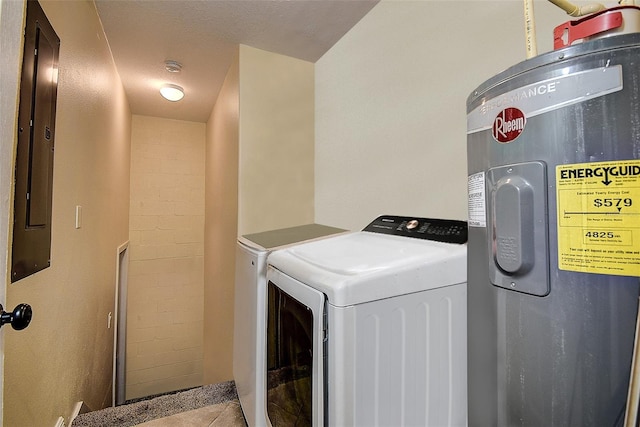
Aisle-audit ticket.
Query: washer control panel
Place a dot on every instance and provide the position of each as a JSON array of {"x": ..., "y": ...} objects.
[{"x": 441, "y": 230}]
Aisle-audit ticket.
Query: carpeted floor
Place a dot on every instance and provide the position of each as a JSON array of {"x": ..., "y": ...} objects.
[{"x": 162, "y": 406}]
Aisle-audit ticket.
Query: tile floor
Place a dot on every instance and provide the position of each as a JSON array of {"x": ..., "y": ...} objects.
[{"x": 227, "y": 414}]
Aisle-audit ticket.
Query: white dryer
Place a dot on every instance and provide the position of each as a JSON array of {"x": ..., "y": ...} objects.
[
  {"x": 249, "y": 370},
  {"x": 369, "y": 328}
]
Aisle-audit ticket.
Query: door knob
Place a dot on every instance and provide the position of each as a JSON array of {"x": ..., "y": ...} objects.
[{"x": 19, "y": 318}]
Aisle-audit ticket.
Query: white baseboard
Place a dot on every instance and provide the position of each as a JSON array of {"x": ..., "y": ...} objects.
[
  {"x": 60, "y": 422},
  {"x": 76, "y": 411}
]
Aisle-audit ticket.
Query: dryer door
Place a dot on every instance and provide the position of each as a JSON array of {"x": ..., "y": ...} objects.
[{"x": 295, "y": 353}]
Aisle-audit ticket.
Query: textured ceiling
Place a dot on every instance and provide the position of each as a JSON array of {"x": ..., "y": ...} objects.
[{"x": 203, "y": 36}]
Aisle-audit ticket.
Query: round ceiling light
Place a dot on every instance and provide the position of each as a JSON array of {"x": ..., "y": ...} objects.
[{"x": 172, "y": 92}]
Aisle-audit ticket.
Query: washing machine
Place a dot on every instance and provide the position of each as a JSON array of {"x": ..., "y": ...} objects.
[
  {"x": 369, "y": 328},
  {"x": 250, "y": 311}
]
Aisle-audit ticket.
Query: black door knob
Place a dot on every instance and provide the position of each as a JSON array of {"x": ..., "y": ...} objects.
[{"x": 19, "y": 317}]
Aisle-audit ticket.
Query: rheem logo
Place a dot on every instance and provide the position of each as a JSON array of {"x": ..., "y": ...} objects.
[{"x": 508, "y": 125}]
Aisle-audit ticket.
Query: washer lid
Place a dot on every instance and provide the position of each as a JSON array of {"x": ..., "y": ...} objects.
[{"x": 359, "y": 267}]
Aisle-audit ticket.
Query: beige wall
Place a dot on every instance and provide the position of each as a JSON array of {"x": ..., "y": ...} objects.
[
  {"x": 391, "y": 104},
  {"x": 221, "y": 186},
  {"x": 66, "y": 354},
  {"x": 259, "y": 177},
  {"x": 165, "y": 298},
  {"x": 276, "y": 141}
]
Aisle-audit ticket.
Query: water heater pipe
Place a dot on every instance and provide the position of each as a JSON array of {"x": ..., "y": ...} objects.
[
  {"x": 574, "y": 10},
  {"x": 570, "y": 8},
  {"x": 633, "y": 394},
  {"x": 530, "y": 29}
]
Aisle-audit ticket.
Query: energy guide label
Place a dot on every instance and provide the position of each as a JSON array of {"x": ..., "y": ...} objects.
[{"x": 599, "y": 217}]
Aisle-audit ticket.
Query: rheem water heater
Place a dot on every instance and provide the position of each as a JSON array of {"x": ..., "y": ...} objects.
[{"x": 554, "y": 237}]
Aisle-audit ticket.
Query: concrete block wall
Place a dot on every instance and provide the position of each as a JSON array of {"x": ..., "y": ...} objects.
[{"x": 166, "y": 273}]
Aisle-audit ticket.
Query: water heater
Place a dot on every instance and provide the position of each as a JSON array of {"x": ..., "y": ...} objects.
[{"x": 554, "y": 237}]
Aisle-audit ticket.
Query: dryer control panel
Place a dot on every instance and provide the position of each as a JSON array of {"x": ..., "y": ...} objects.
[{"x": 440, "y": 230}]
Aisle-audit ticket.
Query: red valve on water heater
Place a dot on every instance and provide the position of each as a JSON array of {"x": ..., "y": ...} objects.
[{"x": 617, "y": 20}]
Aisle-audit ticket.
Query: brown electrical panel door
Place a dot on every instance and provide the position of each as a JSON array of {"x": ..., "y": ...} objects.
[{"x": 34, "y": 158}]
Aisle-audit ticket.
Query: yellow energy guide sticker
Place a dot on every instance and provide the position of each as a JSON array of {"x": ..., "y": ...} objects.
[{"x": 599, "y": 217}]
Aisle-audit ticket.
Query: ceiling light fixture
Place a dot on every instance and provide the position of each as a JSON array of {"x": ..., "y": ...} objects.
[
  {"x": 172, "y": 66},
  {"x": 172, "y": 92}
]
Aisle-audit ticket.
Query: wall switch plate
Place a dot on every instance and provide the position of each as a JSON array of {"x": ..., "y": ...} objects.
[{"x": 78, "y": 216}]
